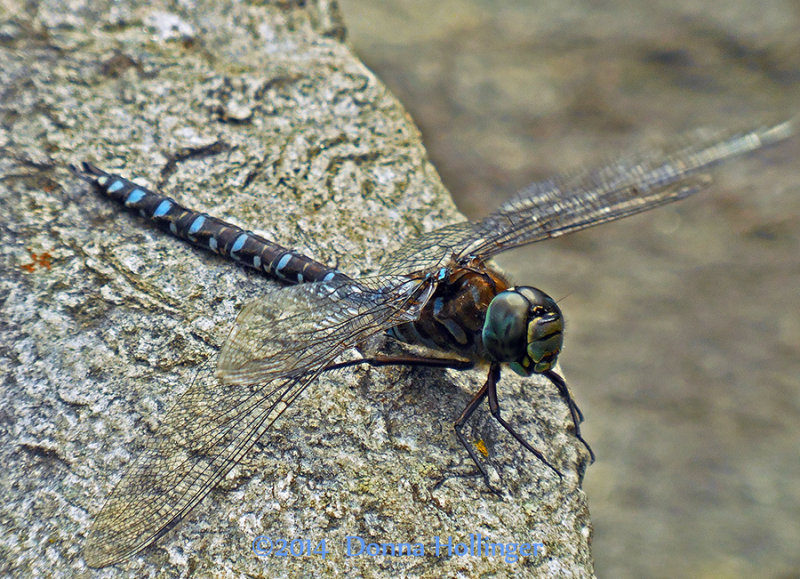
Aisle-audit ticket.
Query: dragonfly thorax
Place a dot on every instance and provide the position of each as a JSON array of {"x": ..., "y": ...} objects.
[{"x": 524, "y": 328}]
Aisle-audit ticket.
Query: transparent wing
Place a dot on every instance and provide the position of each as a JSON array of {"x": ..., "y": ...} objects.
[
  {"x": 314, "y": 322},
  {"x": 274, "y": 352},
  {"x": 572, "y": 202},
  {"x": 431, "y": 250}
]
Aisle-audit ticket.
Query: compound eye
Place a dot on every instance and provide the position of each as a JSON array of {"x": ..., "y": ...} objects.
[
  {"x": 506, "y": 326},
  {"x": 539, "y": 301},
  {"x": 524, "y": 328},
  {"x": 545, "y": 330}
]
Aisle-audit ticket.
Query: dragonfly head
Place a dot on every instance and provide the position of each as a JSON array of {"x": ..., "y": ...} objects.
[{"x": 524, "y": 328}]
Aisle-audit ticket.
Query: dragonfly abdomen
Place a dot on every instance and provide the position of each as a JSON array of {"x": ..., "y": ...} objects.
[{"x": 205, "y": 231}]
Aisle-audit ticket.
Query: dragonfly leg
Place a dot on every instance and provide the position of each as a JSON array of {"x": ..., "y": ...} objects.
[
  {"x": 494, "y": 408},
  {"x": 462, "y": 420},
  {"x": 380, "y": 360},
  {"x": 455, "y": 364},
  {"x": 575, "y": 412}
]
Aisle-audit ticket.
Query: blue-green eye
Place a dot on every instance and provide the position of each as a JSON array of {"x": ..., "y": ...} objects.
[
  {"x": 523, "y": 327},
  {"x": 505, "y": 329}
]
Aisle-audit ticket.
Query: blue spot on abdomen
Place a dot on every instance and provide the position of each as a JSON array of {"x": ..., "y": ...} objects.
[{"x": 163, "y": 208}]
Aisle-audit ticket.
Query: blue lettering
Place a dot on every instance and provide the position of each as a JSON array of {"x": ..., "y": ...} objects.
[
  {"x": 361, "y": 544},
  {"x": 438, "y": 544},
  {"x": 495, "y": 547},
  {"x": 321, "y": 549}
]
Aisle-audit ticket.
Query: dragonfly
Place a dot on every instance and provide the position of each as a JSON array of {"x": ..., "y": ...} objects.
[{"x": 439, "y": 292}]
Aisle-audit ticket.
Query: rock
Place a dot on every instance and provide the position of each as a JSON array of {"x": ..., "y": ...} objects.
[{"x": 261, "y": 115}]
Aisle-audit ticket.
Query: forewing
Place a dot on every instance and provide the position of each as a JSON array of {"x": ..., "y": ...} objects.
[
  {"x": 572, "y": 202},
  {"x": 634, "y": 184},
  {"x": 272, "y": 355},
  {"x": 430, "y": 251}
]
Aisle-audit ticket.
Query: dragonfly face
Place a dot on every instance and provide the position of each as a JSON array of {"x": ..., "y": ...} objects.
[{"x": 524, "y": 328}]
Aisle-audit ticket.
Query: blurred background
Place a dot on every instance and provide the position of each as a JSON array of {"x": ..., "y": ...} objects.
[{"x": 683, "y": 324}]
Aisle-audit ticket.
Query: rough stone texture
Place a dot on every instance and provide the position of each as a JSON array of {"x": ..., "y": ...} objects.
[{"x": 257, "y": 113}]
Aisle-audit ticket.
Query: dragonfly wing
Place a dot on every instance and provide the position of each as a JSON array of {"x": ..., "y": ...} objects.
[
  {"x": 634, "y": 184},
  {"x": 216, "y": 422},
  {"x": 430, "y": 251},
  {"x": 202, "y": 438},
  {"x": 571, "y": 202},
  {"x": 314, "y": 323}
]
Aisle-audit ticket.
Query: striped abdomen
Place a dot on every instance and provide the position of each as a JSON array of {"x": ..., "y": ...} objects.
[{"x": 209, "y": 232}]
